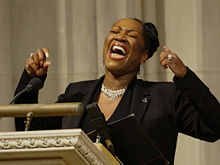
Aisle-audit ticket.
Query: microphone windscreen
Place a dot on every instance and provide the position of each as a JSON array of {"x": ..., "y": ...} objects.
[{"x": 34, "y": 84}]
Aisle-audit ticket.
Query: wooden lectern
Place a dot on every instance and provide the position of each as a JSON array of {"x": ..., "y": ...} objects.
[
  {"x": 52, "y": 147},
  {"x": 49, "y": 147}
]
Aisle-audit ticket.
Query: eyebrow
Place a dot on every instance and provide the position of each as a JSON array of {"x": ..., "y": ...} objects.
[{"x": 129, "y": 30}]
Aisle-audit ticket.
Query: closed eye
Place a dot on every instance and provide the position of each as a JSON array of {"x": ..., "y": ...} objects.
[
  {"x": 132, "y": 33},
  {"x": 115, "y": 32},
  {"x": 132, "y": 36}
]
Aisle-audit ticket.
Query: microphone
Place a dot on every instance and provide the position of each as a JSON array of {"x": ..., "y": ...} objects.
[{"x": 34, "y": 84}]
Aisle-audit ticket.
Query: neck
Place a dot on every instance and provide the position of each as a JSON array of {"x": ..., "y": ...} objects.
[{"x": 115, "y": 82}]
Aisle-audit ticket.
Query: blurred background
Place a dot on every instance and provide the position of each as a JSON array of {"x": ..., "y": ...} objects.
[{"x": 74, "y": 32}]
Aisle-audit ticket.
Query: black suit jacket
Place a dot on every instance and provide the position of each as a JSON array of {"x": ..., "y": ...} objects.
[{"x": 162, "y": 108}]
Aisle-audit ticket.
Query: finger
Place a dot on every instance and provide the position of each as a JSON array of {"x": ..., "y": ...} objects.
[
  {"x": 42, "y": 57},
  {"x": 171, "y": 62},
  {"x": 40, "y": 72},
  {"x": 46, "y": 52},
  {"x": 46, "y": 65},
  {"x": 35, "y": 58},
  {"x": 41, "y": 63},
  {"x": 166, "y": 48},
  {"x": 45, "y": 69},
  {"x": 32, "y": 64},
  {"x": 166, "y": 54},
  {"x": 165, "y": 63},
  {"x": 30, "y": 70},
  {"x": 162, "y": 58},
  {"x": 172, "y": 57}
]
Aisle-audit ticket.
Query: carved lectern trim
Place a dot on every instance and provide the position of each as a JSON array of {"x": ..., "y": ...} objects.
[
  {"x": 23, "y": 143},
  {"x": 50, "y": 142}
]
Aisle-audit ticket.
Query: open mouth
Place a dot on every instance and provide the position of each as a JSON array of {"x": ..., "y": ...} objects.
[{"x": 118, "y": 50}]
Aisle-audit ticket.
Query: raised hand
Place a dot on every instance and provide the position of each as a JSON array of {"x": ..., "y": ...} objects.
[
  {"x": 37, "y": 64},
  {"x": 168, "y": 59}
]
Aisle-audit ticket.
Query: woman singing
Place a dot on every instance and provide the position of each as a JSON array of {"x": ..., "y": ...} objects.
[{"x": 162, "y": 108}]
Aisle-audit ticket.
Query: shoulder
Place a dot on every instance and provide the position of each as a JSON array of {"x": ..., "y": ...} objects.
[
  {"x": 158, "y": 88},
  {"x": 82, "y": 86},
  {"x": 76, "y": 91},
  {"x": 153, "y": 85}
]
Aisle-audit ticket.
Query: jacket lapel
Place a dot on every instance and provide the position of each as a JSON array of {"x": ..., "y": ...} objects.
[
  {"x": 87, "y": 100},
  {"x": 140, "y": 100}
]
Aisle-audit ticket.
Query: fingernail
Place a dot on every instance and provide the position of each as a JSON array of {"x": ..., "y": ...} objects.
[
  {"x": 48, "y": 63},
  {"x": 47, "y": 54},
  {"x": 41, "y": 63}
]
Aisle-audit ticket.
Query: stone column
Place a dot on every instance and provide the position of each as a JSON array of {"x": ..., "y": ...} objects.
[
  {"x": 6, "y": 92},
  {"x": 83, "y": 60},
  {"x": 209, "y": 65}
]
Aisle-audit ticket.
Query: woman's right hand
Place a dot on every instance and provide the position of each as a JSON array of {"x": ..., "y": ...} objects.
[{"x": 37, "y": 64}]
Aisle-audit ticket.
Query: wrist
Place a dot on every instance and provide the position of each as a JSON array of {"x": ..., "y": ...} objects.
[{"x": 181, "y": 74}]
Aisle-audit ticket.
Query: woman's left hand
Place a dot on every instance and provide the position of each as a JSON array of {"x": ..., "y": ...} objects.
[{"x": 171, "y": 60}]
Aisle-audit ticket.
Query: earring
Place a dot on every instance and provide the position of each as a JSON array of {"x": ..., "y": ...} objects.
[{"x": 141, "y": 72}]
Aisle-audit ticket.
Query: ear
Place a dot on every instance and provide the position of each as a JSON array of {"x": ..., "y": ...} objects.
[{"x": 144, "y": 57}]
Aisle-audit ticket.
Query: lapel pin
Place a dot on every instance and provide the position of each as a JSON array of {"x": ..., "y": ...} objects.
[{"x": 145, "y": 100}]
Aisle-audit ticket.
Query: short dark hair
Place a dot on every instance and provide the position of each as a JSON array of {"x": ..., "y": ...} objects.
[{"x": 150, "y": 34}]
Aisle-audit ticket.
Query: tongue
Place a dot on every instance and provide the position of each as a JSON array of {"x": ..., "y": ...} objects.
[{"x": 116, "y": 56}]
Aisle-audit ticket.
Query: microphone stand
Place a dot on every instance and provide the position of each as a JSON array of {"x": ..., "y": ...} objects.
[
  {"x": 29, "y": 115},
  {"x": 34, "y": 84},
  {"x": 27, "y": 122},
  {"x": 18, "y": 95}
]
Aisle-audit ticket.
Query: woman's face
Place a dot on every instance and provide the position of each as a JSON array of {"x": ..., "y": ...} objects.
[{"x": 124, "y": 49}]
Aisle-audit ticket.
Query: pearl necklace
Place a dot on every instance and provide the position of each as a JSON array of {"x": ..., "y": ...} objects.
[{"x": 112, "y": 94}]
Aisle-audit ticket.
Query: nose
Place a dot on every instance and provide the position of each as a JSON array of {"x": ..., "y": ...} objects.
[{"x": 120, "y": 37}]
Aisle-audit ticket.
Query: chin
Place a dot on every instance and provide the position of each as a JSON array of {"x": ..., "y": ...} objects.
[{"x": 113, "y": 68}]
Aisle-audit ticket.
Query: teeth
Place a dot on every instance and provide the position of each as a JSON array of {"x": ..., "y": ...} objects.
[{"x": 118, "y": 48}]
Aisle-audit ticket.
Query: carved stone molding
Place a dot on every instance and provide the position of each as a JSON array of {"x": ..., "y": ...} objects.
[
  {"x": 57, "y": 139},
  {"x": 20, "y": 143}
]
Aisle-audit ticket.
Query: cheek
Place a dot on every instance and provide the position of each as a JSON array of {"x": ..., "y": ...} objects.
[
  {"x": 138, "y": 52},
  {"x": 107, "y": 40},
  {"x": 137, "y": 48}
]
